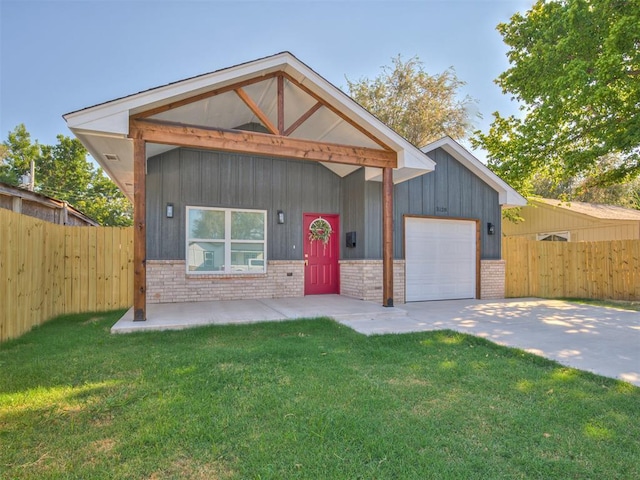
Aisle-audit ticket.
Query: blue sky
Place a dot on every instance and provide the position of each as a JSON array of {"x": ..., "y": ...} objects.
[{"x": 60, "y": 56}]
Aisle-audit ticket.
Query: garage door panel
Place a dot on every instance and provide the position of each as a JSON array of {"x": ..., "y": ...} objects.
[{"x": 440, "y": 259}]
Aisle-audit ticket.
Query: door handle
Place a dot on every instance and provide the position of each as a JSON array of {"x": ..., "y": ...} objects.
[{"x": 306, "y": 262}]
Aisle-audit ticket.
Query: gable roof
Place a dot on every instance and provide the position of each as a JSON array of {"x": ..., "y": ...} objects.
[
  {"x": 507, "y": 196},
  {"x": 104, "y": 128},
  {"x": 594, "y": 210}
]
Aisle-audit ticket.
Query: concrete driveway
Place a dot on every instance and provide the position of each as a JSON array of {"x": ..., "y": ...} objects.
[{"x": 602, "y": 340}]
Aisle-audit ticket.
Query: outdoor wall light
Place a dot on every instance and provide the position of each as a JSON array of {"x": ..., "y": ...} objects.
[
  {"x": 491, "y": 228},
  {"x": 169, "y": 210},
  {"x": 280, "y": 217}
]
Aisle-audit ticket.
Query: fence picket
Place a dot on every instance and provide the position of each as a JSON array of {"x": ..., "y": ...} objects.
[
  {"x": 599, "y": 270},
  {"x": 49, "y": 269}
]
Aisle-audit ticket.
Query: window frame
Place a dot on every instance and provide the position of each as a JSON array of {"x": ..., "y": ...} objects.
[{"x": 227, "y": 242}]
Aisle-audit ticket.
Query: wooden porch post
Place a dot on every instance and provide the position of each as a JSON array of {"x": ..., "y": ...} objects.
[
  {"x": 387, "y": 237},
  {"x": 139, "y": 231}
]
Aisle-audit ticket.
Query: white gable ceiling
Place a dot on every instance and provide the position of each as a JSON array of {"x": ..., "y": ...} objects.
[{"x": 103, "y": 128}]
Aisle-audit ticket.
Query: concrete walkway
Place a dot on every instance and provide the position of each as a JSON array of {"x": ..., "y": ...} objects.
[{"x": 602, "y": 340}]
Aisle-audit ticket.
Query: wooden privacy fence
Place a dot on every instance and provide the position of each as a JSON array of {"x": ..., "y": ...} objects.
[
  {"x": 598, "y": 270},
  {"x": 48, "y": 270}
]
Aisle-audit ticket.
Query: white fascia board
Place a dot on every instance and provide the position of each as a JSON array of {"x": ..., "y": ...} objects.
[
  {"x": 113, "y": 116},
  {"x": 507, "y": 196},
  {"x": 111, "y": 124}
]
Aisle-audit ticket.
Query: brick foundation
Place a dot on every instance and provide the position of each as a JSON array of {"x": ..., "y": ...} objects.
[
  {"x": 492, "y": 278},
  {"x": 362, "y": 279},
  {"x": 168, "y": 282}
]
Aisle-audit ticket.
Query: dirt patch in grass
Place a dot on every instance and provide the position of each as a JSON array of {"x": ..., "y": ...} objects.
[
  {"x": 188, "y": 468},
  {"x": 92, "y": 320}
]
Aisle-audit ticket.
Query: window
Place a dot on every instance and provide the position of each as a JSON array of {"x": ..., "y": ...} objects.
[
  {"x": 226, "y": 241},
  {"x": 553, "y": 237}
]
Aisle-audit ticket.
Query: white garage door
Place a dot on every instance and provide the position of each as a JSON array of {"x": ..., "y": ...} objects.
[{"x": 440, "y": 259}]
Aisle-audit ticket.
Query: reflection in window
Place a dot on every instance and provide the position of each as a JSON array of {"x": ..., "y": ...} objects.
[{"x": 226, "y": 240}]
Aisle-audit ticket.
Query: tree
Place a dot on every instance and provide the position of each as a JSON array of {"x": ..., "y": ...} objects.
[
  {"x": 587, "y": 189},
  {"x": 17, "y": 154},
  {"x": 575, "y": 69},
  {"x": 4, "y": 166},
  {"x": 62, "y": 171},
  {"x": 419, "y": 106},
  {"x": 106, "y": 204}
]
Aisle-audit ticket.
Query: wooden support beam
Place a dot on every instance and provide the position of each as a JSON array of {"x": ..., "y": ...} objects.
[
  {"x": 259, "y": 144},
  {"x": 303, "y": 118},
  {"x": 280, "y": 105},
  {"x": 253, "y": 106},
  {"x": 387, "y": 237},
  {"x": 139, "y": 231}
]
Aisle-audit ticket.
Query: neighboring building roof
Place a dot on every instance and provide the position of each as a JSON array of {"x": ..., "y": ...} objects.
[
  {"x": 507, "y": 196},
  {"x": 7, "y": 190},
  {"x": 595, "y": 210},
  {"x": 104, "y": 128}
]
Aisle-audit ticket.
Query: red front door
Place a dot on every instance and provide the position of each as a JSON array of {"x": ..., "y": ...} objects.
[{"x": 321, "y": 271}]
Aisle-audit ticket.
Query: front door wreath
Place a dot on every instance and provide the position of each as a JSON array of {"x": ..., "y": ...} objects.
[{"x": 320, "y": 230}]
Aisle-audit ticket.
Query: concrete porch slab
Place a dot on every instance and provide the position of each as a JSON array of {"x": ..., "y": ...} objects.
[{"x": 177, "y": 316}]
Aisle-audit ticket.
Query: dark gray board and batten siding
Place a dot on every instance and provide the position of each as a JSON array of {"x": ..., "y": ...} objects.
[
  {"x": 188, "y": 177},
  {"x": 451, "y": 190}
]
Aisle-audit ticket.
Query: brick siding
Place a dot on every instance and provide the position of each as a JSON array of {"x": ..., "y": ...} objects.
[
  {"x": 168, "y": 282},
  {"x": 492, "y": 279},
  {"x": 362, "y": 279}
]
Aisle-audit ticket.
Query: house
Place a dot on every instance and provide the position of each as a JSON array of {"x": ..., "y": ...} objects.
[
  {"x": 41, "y": 206},
  {"x": 265, "y": 180},
  {"x": 554, "y": 220}
]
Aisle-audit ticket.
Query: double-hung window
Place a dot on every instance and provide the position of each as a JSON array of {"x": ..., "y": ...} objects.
[{"x": 226, "y": 241}]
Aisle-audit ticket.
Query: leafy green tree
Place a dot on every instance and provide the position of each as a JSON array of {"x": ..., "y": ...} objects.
[
  {"x": 105, "y": 203},
  {"x": 4, "y": 167},
  {"x": 17, "y": 154},
  {"x": 63, "y": 171},
  {"x": 419, "y": 106},
  {"x": 587, "y": 188},
  {"x": 575, "y": 69}
]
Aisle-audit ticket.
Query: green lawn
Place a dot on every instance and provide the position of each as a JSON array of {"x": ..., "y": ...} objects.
[{"x": 303, "y": 399}]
